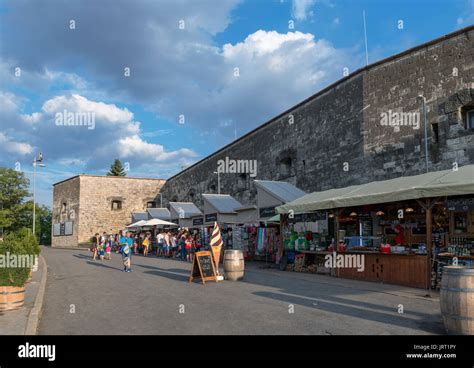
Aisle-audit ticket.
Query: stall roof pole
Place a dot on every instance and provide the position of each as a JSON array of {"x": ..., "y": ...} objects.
[
  {"x": 428, "y": 205},
  {"x": 429, "y": 243},
  {"x": 337, "y": 214}
]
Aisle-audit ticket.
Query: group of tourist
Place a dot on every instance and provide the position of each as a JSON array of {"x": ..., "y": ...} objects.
[
  {"x": 124, "y": 244},
  {"x": 180, "y": 244},
  {"x": 174, "y": 244}
]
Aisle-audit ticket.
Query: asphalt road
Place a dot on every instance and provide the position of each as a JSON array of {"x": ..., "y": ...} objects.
[{"x": 86, "y": 297}]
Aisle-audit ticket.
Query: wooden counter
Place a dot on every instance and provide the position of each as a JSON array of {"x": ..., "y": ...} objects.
[{"x": 399, "y": 269}]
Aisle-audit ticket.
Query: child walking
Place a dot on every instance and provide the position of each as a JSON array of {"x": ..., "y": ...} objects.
[
  {"x": 108, "y": 248},
  {"x": 126, "y": 251}
]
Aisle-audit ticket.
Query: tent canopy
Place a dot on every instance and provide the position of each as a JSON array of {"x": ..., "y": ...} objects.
[
  {"x": 222, "y": 203},
  {"x": 159, "y": 213},
  {"x": 433, "y": 184},
  {"x": 158, "y": 222},
  {"x": 137, "y": 216},
  {"x": 281, "y": 190},
  {"x": 137, "y": 224},
  {"x": 185, "y": 209}
]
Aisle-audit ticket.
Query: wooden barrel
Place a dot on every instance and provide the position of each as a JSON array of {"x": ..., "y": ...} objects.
[
  {"x": 457, "y": 300},
  {"x": 233, "y": 265},
  {"x": 11, "y": 297}
]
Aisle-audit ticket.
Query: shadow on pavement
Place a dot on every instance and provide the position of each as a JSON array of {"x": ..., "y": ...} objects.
[
  {"x": 169, "y": 275},
  {"x": 95, "y": 263},
  {"x": 175, "y": 270},
  {"x": 329, "y": 306}
]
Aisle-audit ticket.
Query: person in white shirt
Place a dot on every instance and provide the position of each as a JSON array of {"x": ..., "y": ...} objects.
[{"x": 160, "y": 239}]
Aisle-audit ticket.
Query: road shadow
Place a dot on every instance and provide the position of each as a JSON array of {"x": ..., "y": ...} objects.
[
  {"x": 169, "y": 275},
  {"x": 393, "y": 318},
  {"x": 175, "y": 270},
  {"x": 98, "y": 264},
  {"x": 95, "y": 263}
]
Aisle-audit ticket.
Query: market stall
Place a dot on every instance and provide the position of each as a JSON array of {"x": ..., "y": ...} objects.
[
  {"x": 270, "y": 194},
  {"x": 306, "y": 239},
  {"x": 220, "y": 208},
  {"x": 244, "y": 229},
  {"x": 406, "y": 228}
]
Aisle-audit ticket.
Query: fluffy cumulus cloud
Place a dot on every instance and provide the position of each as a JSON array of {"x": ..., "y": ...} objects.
[
  {"x": 81, "y": 131},
  {"x": 175, "y": 69},
  {"x": 9, "y": 146}
]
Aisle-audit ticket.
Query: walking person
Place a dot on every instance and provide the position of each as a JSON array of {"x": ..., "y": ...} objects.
[
  {"x": 108, "y": 247},
  {"x": 95, "y": 241},
  {"x": 182, "y": 243},
  {"x": 174, "y": 245},
  {"x": 135, "y": 243},
  {"x": 197, "y": 242},
  {"x": 160, "y": 239},
  {"x": 146, "y": 243},
  {"x": 188, "y": 245},
  {"x": 101, "y": 250},
  {"x": 118, "y": 240},
  {"x": 126, "y": 251},
  {"x": 167, "y": 244}
]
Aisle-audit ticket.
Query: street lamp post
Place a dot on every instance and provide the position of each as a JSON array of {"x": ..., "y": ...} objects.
[
  {"x": 422, "y": 99},
  {"x": 36, "y": 162},
  {"x": 218, "y": 182}
]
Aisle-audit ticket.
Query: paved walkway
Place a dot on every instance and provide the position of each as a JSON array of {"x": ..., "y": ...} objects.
[
  {"x": 15, "y": 322},
  {"x": 86, "y": 297}
]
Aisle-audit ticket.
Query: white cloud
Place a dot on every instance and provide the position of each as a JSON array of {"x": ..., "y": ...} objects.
[
  {"x": 115, "y": 135},
  {"x": 8, "y": 145},
  {"x": 173, "y": 71},
  {"x": 134, "y": 146},
  {"x": 76, "y": 103},
  {"x": 301, "y": 9}
]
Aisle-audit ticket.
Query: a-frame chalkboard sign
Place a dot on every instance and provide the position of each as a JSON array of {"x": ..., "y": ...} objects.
[{"x": 203, "y": 267}]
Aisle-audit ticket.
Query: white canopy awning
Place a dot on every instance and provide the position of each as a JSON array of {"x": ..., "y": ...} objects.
[
  {"x": 429, "y": 185},
  {"x": 158, "y": 222},
  {"x": 137, "y": 224}
]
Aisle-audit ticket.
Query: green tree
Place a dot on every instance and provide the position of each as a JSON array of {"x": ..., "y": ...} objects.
[
  {"x": 17, "y": 213},
  {"x": 116, "y": 169},
  {"x": 13, "y": 190},
  {"x": 43, "y": 221}
]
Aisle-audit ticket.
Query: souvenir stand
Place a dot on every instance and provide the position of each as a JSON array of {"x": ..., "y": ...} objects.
[
  {"x": 220, "y": 208},
  {"x": 406, "y": 228},
  {"x": 270, "y": 194},
  {"x": 244, "y": 230},
  {"x": 306, "y": 241}
]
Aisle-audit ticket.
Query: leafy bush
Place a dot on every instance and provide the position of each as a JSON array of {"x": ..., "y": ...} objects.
[{"x": 19, "y": 243}]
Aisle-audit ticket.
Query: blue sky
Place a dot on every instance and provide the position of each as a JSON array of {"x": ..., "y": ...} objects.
[{"x": 183, "y": 57}]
